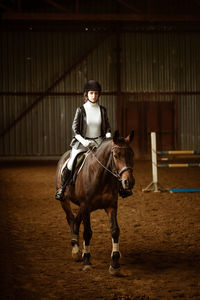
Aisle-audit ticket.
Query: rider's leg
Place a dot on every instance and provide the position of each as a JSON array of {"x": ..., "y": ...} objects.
[
  {"x": 65, "y": 178},
  {"x": 66, "y": 174}
]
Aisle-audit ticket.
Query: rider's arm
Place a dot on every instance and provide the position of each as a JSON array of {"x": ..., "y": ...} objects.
[
  {"x": 83, "y": 141},
  {"x": 76, "y": 127}
]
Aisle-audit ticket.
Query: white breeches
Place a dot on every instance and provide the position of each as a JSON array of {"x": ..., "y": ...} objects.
[
  {"x": 70, "y": 161},
  {"x": 75, "y": 152},
  {"x": 73, "y": 155}
]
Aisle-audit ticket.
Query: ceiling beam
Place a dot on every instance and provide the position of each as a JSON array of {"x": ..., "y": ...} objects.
[
  {"x": 149, "y": 6},
  {"x": 77, "y": 6},
  {"x": 130, "y": 6},
  {"x": 197, "y": 2},
  {"x": 5, "y": 7},
  {"x": 19, "y": 5},
  {"x": 58, "y": 6},
  {"x": 99, "y": 17}
]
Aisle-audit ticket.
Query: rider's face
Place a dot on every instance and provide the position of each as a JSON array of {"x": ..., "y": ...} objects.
[{"x": 93, "y": 96}]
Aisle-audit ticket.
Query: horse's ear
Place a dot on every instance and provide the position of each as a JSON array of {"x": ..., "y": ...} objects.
[
  {"x": 116, "y": 136},
  {"x": 130, "y": 137}
]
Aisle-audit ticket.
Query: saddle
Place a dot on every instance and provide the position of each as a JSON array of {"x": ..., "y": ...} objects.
[{"x": 77, "y": 166}]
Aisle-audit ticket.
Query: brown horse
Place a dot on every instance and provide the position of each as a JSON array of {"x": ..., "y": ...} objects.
[{"x": 96, "y": 187}]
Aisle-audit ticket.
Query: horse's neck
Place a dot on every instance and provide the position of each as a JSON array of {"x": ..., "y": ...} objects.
[
  {"x": 102, "y": 159},
  {"x": 104, "y": 153}
]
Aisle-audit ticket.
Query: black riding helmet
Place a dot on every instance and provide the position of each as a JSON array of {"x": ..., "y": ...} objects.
[{"x": 92, "y": 85}]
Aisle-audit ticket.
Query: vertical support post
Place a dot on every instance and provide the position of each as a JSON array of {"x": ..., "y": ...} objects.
[
  {"x": 154, "y": 186},
  {"x": 175, "y": 122},
  {"x": 120, "y": 107},
  {"x": 154, "y": 158}
]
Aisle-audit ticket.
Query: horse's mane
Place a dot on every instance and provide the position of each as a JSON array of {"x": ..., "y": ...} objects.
[
  {"x": 103, "y": 147},
  {"x": 107, "y": 143}
]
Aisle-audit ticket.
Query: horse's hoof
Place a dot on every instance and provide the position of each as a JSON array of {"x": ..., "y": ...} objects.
[
  {"x": 114, "y": 272},
  {"x": 76, "y": 254},
  {"x": 87, "y": 268}
]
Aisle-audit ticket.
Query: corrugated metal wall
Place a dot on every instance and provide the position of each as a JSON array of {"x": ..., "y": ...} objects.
[
  {"x": 150, "y": 61},
  {"x": 166, "y": 62},
  {"x": 31, "y": 62}
]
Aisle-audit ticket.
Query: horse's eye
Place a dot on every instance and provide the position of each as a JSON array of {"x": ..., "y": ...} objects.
[{"x": 117, "y": 155}]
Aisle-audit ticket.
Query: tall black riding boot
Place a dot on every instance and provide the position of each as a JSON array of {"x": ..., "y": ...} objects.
[{"x": 65, "y": 178}]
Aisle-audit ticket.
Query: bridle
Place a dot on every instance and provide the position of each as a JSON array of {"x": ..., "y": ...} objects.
[
  {"x": 115, "y": 172},
  {"x": 125, "y": 168}
]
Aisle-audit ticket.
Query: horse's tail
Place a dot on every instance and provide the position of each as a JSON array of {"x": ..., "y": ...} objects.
[{"x": 61, "y": 162}]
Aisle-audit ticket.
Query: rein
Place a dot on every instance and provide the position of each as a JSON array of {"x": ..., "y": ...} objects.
[{"x": 114, "y": 173}]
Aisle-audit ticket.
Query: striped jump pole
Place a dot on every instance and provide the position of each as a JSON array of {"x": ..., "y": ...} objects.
[
  {"x": 184, "y": 190},
  {"x": 155, "y": 186},
  {"x": 178, "y": 165},
  {"x": 179, "y": 152}
]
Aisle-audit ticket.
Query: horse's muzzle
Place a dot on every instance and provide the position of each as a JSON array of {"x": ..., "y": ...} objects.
[{"x": 128, "y": 183}]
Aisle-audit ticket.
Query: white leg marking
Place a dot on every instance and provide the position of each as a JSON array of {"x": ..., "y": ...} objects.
[
  {"x": 86, "y": 249},
  {"x": 115, "y": 248},
  {"x": 75, "y": 252}
]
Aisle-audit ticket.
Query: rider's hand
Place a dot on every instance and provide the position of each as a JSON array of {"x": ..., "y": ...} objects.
[
  {"x": 93, "y": 145},
  {"x": 108, "y": 135},
  {"x": 86, "y": 143},
  {"x": 83, "y": 141}
]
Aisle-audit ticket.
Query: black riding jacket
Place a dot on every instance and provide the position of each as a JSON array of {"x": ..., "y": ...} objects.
[{"x": 79, "y": 125}]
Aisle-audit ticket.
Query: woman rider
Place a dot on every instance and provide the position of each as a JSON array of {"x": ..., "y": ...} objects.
[{"x": 90, "y": 126}]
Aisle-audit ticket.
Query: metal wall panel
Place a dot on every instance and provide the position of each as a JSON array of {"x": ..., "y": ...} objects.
[
  {"x": 31, "y": 62},
  {"x": 189, "y": 122},
  {"x": 150, "y": 62},
  {"x": 46, "y": 130},
  {"x": 159, "y": 63}
]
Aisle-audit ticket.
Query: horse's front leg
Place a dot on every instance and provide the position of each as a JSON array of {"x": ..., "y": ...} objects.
[
  {"x": 75, "y": 235},
  {"x": 87, "y": 235},
  {"x": 114, "y": 228},
  {"x": 73, "y": 223}
]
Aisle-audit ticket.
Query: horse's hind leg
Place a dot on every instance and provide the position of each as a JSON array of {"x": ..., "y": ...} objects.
[
  {"x": 87, "y": 235},
  {"x": 114, "y": 228}
]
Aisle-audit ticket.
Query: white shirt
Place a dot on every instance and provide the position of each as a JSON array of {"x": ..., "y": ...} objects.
[{"x": 93, "y": 119}]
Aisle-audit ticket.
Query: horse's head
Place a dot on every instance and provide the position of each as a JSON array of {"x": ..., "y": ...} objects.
[{"x": 123, "y": 159}]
